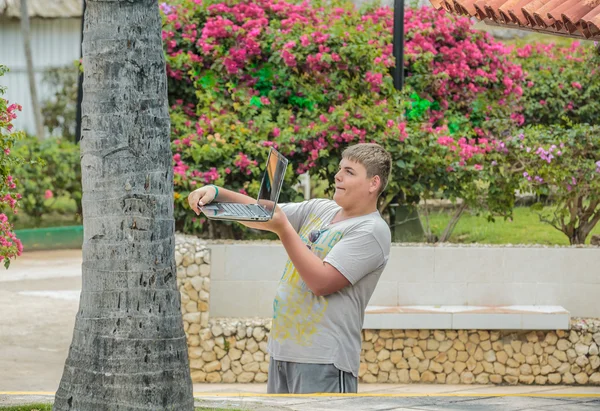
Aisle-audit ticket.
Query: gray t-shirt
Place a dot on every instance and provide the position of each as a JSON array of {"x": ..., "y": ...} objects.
[{"x": 327, "y": 329}]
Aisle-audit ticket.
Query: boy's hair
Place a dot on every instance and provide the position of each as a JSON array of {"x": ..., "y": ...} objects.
[{"x": 374, "y": 158}]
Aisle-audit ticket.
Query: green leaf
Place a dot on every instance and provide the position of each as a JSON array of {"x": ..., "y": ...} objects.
[
  {"x": 453, "y": 127},
  {"x": 208, "y": 81},
  {"x": 255, "y": 101}
]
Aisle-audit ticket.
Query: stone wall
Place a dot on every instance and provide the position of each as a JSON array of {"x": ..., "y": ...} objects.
[
  {"x": 480, "y": 357},
  {"x": 235, "y": 350}
]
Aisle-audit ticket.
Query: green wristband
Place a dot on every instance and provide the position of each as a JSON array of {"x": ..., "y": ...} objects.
[{"x": 216, "y": 191}]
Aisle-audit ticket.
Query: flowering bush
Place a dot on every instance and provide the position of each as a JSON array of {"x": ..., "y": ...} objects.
[
  {"x": 454, "y": 167},
  {"x": 10, "y": 246},
  {"x": 564, "y": 162},
  {"x": 310, "y": 79},
  {"x": 468, "y": 77},
  {"x": 562, "y": 83},
  {"x": 559, "y": 152}
]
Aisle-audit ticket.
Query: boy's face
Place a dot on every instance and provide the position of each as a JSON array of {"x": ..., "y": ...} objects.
[{"x": 352, "y": 186}]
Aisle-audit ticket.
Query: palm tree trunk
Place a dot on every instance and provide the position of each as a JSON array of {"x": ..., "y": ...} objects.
[
  {"x": 35, "y": 103},
  {"x": 129, "y": 350}
]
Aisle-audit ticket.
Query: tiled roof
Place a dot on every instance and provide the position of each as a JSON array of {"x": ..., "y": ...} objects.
[{"x": 573, "y": 18}]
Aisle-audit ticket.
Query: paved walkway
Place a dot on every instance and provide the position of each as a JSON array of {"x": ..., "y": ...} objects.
[
  {"x": 39, "y": 296},
  {"x": 38, "y": 302},
  {"x": 390, "y": 397},
  {"x": 379, "y": 397}
]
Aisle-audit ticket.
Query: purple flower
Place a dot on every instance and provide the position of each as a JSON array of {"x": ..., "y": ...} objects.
[
  {"x": 166, "y": 8},
  {"x": 545, "y": 155}
]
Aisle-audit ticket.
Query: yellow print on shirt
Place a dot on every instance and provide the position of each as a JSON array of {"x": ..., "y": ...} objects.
[{"x": 297, "y": 312}]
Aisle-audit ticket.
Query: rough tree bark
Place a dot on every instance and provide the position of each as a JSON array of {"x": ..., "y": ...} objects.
[{"x": 129, "y": 350}]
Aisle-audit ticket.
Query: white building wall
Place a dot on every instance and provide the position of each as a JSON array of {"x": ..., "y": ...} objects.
[{"x": 54, "y": 43}]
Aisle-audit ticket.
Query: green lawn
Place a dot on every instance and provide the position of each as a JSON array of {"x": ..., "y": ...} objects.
[
  {"x": 48, "y": 407},
  {"x": 525, "y": 228},
  {"x": 31, "y": 407}
]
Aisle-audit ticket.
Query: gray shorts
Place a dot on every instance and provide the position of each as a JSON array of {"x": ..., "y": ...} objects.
[{"x": 299, "y": 378}]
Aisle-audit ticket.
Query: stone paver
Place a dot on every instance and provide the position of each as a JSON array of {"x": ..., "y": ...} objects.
[
  {"x": 376, "y": 403},
  {"x": 381, "y": 402}
]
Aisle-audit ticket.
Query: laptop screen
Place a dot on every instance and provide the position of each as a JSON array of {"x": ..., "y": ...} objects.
[{"x": 272, "y": 180}]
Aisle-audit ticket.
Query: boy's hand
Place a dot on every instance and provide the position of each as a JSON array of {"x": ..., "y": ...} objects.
[
  {"x": 276, "y": 225},
  {"x": 279, "y": 221},
  {"x": 201, "y": 197}
]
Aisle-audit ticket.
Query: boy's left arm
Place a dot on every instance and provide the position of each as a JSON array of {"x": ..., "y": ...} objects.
[
  {"x": 320, "y": 278},
  {"x": 357, "y": 254}
]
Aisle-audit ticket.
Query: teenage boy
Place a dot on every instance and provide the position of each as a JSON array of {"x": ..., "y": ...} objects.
[{"x": 337, "y": 251}]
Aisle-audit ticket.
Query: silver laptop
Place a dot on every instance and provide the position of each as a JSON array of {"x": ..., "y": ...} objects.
[{"x": 268, "y": 195}]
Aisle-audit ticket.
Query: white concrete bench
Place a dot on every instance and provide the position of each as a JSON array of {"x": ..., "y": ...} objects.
[{"x": 513, "y": 317}]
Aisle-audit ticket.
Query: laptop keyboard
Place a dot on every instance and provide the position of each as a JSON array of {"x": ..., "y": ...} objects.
[{"x": 251, "y": 210}]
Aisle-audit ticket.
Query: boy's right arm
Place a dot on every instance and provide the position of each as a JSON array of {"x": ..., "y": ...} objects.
[{"x": 206, "y": 194}]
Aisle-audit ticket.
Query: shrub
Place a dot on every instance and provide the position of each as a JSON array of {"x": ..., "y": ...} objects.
[
  {"x": 51, "y": 169},
  {"x": 563, "y": 161},
  {"x": 10, "y": 246},
  {"x": 59, "y": 112},
  {"x": 469, "y": 78},
  {"x": 311, "y": 79},
  {"x": 561, "y": 84}
]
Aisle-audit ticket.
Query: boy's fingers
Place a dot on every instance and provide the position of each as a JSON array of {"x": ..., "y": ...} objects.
[
  {"x": 193, "y": 201},
  {"x": 205, "y": 199},
  {"x": 199, "y": 199}
]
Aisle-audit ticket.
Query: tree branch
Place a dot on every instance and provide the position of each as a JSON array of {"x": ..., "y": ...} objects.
[
  {"x": 544, "y": 220},
  {"x": 427, "y": 225},
  {"x": 452, "y": 224}
]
